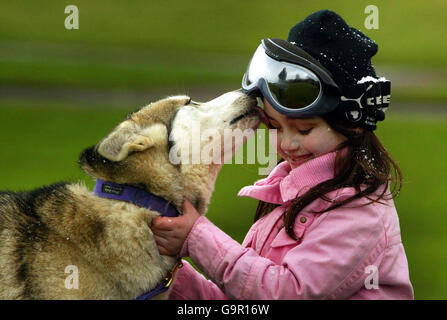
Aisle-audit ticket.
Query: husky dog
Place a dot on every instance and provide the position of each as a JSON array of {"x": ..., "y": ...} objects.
[{"x": 109, "y": 243}]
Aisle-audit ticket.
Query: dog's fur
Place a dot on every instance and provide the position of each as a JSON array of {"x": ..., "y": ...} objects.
[{"x": 110, "y": 242}]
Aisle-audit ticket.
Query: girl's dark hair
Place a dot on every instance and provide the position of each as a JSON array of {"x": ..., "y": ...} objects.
[{"x": 366, "y": 163}]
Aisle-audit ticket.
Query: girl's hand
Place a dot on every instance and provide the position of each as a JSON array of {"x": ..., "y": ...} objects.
[{"x": 170, "y": 233}]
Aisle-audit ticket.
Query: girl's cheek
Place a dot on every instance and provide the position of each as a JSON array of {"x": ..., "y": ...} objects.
[
  {"x": 312, "y": 145},
  {"x": 319, "y": 144}
]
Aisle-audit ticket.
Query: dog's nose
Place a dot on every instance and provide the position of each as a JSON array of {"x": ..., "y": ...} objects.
[{"x": 252, "y": 94}]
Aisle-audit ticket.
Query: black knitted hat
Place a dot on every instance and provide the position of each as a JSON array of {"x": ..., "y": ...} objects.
[{"x": 345, "y": 51}]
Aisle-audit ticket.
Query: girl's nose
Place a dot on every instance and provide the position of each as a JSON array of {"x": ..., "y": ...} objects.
[{"x": 289, "y": 144}]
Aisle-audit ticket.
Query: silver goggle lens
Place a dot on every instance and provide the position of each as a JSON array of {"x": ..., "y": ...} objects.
[{"x": 290, "y": 85}]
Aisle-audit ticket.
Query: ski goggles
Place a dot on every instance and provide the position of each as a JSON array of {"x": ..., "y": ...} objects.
[
  {"x": 298, "y": 86},
  {"x": 293, "y": 82}
]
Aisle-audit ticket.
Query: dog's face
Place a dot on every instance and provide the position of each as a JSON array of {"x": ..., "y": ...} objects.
[{"x": 139, "y": 151}]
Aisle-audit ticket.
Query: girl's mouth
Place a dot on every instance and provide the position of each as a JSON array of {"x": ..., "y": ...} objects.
[{"x": 296, "y": 161}]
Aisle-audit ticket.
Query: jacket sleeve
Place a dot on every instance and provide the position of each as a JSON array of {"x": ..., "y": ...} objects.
[
  {"x": 191, "y": 285},
  {"x": 329, "y": 263}
]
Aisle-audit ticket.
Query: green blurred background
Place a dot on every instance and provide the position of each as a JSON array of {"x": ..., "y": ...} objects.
[{"x": 63, "y": 90}]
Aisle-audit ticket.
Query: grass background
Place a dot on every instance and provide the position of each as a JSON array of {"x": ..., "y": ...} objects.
[
  {"x": 178, "y": 45},
  {"x": 148, "y": 44}
]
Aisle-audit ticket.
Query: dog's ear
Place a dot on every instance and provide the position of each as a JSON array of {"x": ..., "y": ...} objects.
[{"x": 129, "y": 138}]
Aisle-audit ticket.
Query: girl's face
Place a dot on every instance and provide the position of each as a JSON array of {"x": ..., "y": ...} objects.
[{"x": 299, "y": 140}]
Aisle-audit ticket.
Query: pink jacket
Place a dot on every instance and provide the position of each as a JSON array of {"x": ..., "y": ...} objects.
[{"x": 346, "y": 253}]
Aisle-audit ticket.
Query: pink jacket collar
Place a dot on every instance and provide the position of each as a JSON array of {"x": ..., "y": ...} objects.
[{"x": 283, "y": 184}]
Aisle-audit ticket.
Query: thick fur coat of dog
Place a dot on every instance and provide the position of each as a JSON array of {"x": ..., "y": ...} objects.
[{"x": 110, "y": 242}]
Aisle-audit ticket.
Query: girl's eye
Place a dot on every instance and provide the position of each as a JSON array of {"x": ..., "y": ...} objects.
[{"x": 305, "y": 132}]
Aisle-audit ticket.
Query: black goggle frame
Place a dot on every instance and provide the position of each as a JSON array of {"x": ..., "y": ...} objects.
[{"x": 362, "y": 104}]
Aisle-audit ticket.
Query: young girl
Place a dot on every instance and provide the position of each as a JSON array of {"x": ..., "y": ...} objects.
[{"x": 326, "y": 225}]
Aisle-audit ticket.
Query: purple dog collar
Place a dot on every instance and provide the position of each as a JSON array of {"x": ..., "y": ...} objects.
[
  {"x": 164, "y": 285},
  {"x": 159, "y": 289},
  {"x": 134, "y": 195},
  {"x": 147, "y": 200}
]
